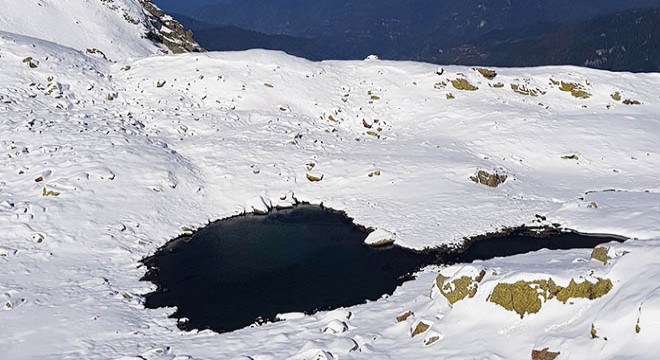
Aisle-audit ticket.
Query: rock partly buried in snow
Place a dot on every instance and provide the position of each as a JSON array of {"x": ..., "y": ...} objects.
[
  {"x": 486, "y": 178},
  {"x": 544, "y": 354},
  {"x": 419, "y": 328},
  {"x": 527, "y": 297},
  {"x": 404, "y": 316},
  {"x": 314, "y": 177},
  {"x": 487, "y": 73},
  {"x": 380, "y": 237}
]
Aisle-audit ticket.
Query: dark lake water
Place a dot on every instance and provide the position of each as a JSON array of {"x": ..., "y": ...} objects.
[{"x": 233, "y": 272}]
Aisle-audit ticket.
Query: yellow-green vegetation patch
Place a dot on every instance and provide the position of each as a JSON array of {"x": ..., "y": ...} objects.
[
  {"x": 600, "y": 253},
  {"x": 616, "y": 96},
  {"x": 522, "y": 297},
  {"x": 463, "y": 84},
  {"x": 522, "y": 89},
  {"x": 46, "y": 192},
  {"x": 460, "y": 288},
  {"x": 498, "y": 85},
  {"x": 450, "y": 96},
  {"x": 527, "y": 297},
  {"x": 575, "y": 89},
  {"x": 584, "y": 289},
  {"x": 487, "y": 73}
]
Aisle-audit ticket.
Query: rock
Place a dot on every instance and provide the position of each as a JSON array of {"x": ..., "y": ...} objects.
[
  {"x": 419, "y": 328},
  {"x": 488, "y": 179},
  {"x": 431, "y": 340},
  {"x": 631, "y": 102},
  {"x": 570, "y": 157},
  {"x": 404, "y": 316},
  {"x": 168, "y": 31},
  {"x": 314, "y": 177},
  {"x": 544, "y": 354},
  {"x": 488, "y": 74}
]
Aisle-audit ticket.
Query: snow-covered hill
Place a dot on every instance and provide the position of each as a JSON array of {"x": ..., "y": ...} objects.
[
  {"x": 104, "y": 162},
  {"x": 115, "y": 29}
]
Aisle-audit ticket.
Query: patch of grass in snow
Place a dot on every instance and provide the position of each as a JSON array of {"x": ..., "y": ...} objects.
[
  {"x": 600, "y": 253},
  {"x": 458, "y": 289},
  {"x": 575, "y": 89},
  {"x": 527, "y": 297}
]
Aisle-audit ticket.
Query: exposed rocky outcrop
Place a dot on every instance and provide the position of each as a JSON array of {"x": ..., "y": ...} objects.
[
  {"x": 168, "y": 31},
  {"x": 486, "y": 178}
]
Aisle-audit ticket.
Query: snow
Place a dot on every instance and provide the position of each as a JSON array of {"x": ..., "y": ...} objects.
[
  {"x": 116, "y": 27},
  {"x": 235, "y": 132}
]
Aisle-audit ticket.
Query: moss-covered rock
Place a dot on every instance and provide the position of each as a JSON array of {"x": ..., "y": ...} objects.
[
  {"x": 616, "y": 96},
  {"x": 524, "y": 90},
  {"x": 463, "y": 84},
  {"x": 487, "y": 73},
  {"x": 600, "y": 253},
  {"x": 575, "y": 89}
]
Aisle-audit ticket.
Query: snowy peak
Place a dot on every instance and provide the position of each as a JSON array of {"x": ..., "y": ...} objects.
[{"x": 112, "y": 29}]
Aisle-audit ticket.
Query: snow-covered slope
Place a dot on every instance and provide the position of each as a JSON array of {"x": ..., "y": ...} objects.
[
  {"x": 116, "y": 29},
  {"x": 103, "y": 163}
]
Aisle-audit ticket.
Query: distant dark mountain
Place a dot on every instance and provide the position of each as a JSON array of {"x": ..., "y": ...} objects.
[
  {"x": 496, "y": 32},
  {"x": 233, "y": 38},
  {"x": 628, "y": 41}
]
